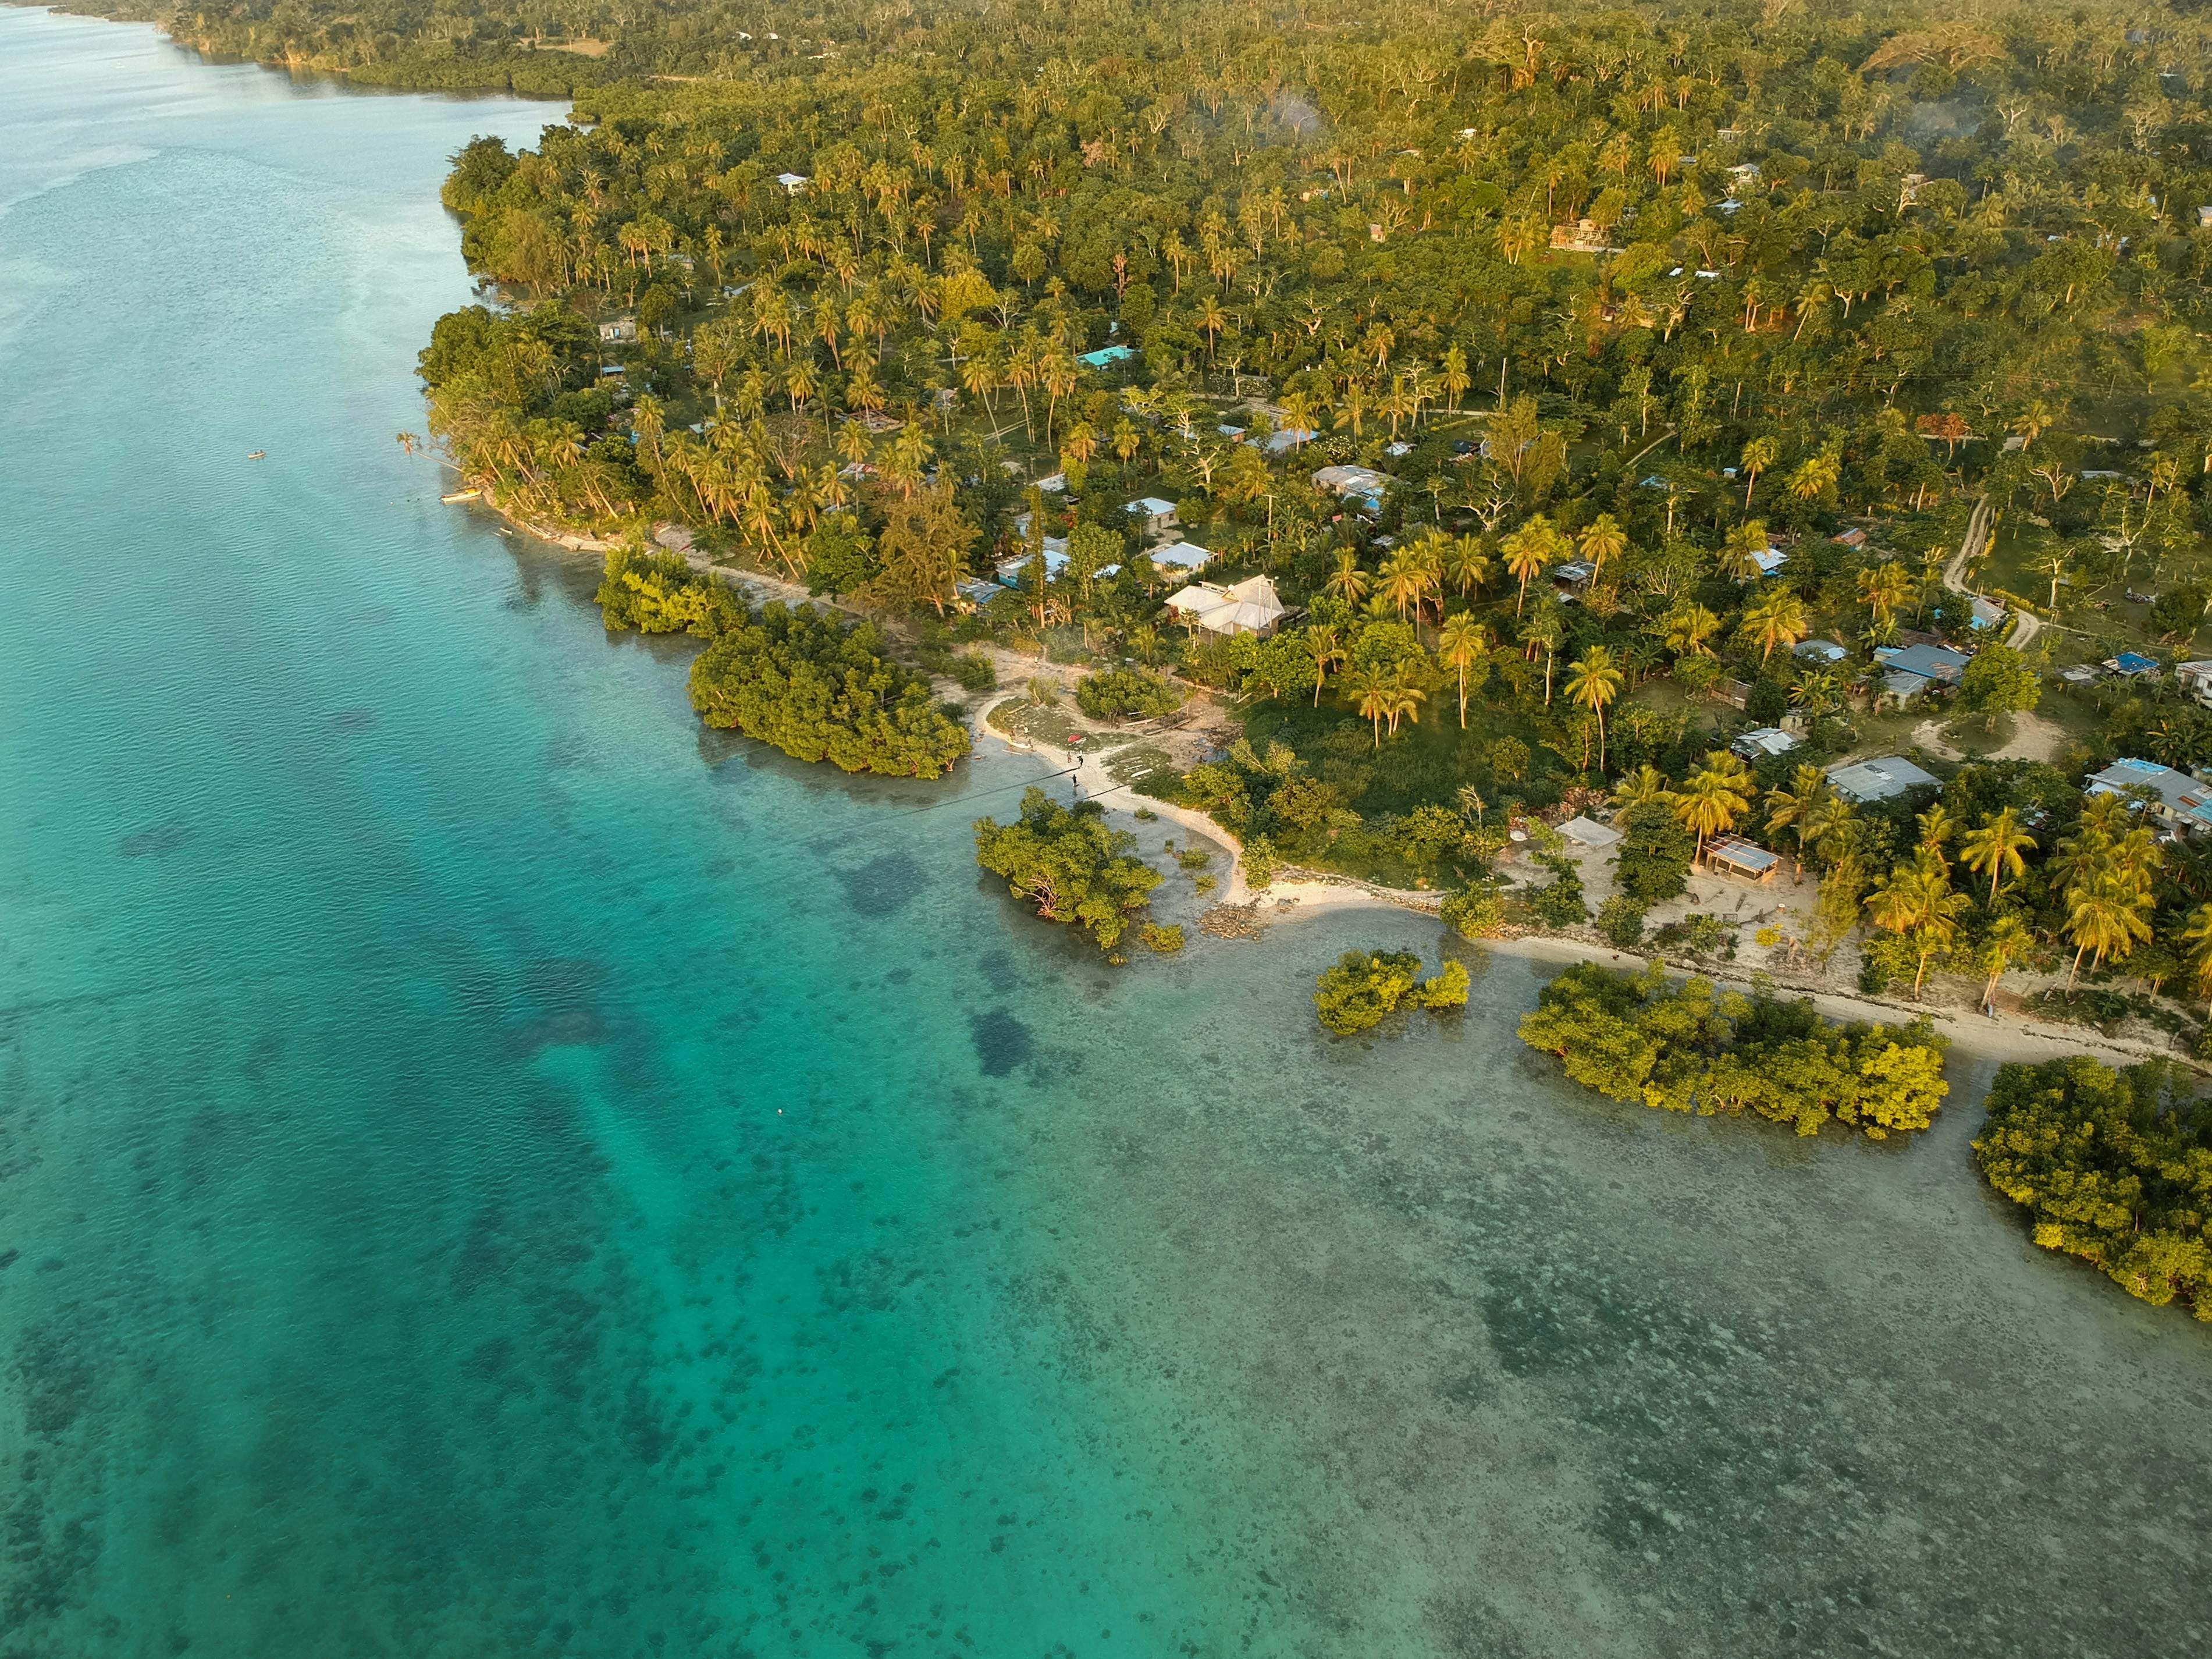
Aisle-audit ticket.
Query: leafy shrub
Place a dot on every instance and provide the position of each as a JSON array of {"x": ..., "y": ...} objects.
[
  {"x": 1365, "y": 987},
  {"x": 1070, "y": 864},
  {"x": 662, "y": 593},
  {"x": 1620, "y": 918},
  {"x": 819, "y": 690},
  {"x": 2112, "y": 1166},
  {"x": 1558, "y": 904},
  {"x": 1654, "y": 861},
  {"x": 1682, "y": 1048},
  {"x": 1476, "y": 911},
  {"x": 1191, "y": 858},
  {"x": 1700, "y": 934},
  {"x": 1260, "y": 862},
  {"x": 1126, "y": 693},
  {"x": 973, "y": 670},
  {"x": 1166, "y": 937}
]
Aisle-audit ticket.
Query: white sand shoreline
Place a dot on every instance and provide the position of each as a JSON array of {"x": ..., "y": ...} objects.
[{"x": 2006, "y": 1037}]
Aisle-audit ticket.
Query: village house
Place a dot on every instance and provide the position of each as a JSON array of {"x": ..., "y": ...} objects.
[
  {"x": 2196, "y": 679},
  {"x": 1764, "y": 743},
  {"x": 2181, "y": 801},
  {"x": 619, "y": 331},
  {"x": 1745, "y": 860},
  {"x": 1361, "y": 485},
  {"x": 1913, "y": 670},
  {"x": 792, "y": 183},
  {"x": 1250, "y": 607},
  {"x": 1154, "y": 516},
  {"x": 1180, "y": 556},
  {"x": 1865, "y": 782}
]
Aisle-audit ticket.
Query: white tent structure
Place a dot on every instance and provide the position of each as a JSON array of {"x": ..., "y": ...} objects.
[{"x": 1250, "y": 607}]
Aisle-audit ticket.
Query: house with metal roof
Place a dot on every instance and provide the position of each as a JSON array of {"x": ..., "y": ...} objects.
[
  {"x": 1155, "y": 517},
  {"x": 1180, "y": 556},
  {"x": 2176, "y": 798},
  {"x": 1106, "y": 357},
  {"x": 1746, "y": 860},
  {"x": 1572, "y": 578},
  {"x": 1763, "y": 742},
  {"x": 1826, "y": 650},
  {"x": 1361, "y": 484},
  {"x": 2133, "y": 665},
  {"x": 1867, "y": 781}
]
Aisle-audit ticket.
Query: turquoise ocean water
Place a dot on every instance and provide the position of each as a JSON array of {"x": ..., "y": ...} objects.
[{"x": 487, "y": 1168}]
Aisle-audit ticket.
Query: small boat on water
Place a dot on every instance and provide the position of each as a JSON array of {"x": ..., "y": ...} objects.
[
  {"x": 257, "y": 455},
  {"x": 461, "y": 496}
]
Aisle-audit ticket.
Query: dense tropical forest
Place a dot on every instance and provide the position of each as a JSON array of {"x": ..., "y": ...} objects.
[{"x": 1591, "y": 384}]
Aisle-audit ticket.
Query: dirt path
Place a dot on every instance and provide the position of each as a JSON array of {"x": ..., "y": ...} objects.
[{"x": 1971, "y": 547}]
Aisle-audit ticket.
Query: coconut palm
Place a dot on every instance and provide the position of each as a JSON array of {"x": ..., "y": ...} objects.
[
  {"x": 1830, "y": 824},
  {"x": 1402, "y": 583},
  {"x": 2196, "y": 934},
  {"x": 1916, "y": 900},
  {"x": 2104, "y": 916},
  {"x": 1739, "y": 555},
  {"x": 1996, "y": 849},
  {"x": 1689, "y": 627},
  {"x": 2008, "y": 941},
  {"x": 1402, "y": 698},
  {"x": 1372, "y": 694},
  {"x": 1348, "y": 582},
  {"x": 1644, "y": 786},
  {"x": 1466, "y": 565},
  {"x": 1459, "y": 646},
  {"x": 1326, "y": 646},
  {"x": 1792, "y": 808},
  {"x": 1777, "y": 619},
  {"x": 1757, "y": 455},
  {"x": 1885, "y": 589},
  {"x": 1712, "y": 801},
  {"x": 1603, "y": 542},
  {"x": 1528, "y": 549},
  {"x": 1593, "y": 681}
]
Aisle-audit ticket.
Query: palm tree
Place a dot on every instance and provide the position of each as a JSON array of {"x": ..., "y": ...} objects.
[
  {"x": 1401, "y": 582},
  {"x": 1644, "y": 786},
  {"x": 1776, "y": 619},
  {"x": 1884, "y": 588},
  {"x": 1528, "y": 550},
  {"x": 2106, "y": 915},
  {"x": 1995, "y": 849},
  {"x": 1466, "y": 565},
  {"x": 1593, "y": 681},
  {"x": 1460, "y": 646},
  {"x": 1916, "y": 899},
  {"x": 1757, "y": 455},
  {"x": 1792, "y": 808},
  {"x": 2196, "y": 934},
  {"x": 1689, "y": 626},
  {"x": 2007, "y": 941},
  {"x": 1325, "y": 648},
  {"x": 1830, "y": 823},
  {"x": 1371, "y": 693},
  {"x": 1711, "y": 801},
  {"x": 1402, "y": 698},
  {"x": 1603, "y": 542},
  {"x": 1739, "y": 555},
  {"x": 1936, "y": 827},
  {"x": 1349, "y": 582}
]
